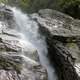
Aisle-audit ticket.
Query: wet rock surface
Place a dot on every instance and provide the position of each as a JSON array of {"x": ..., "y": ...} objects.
[
  {"x": 62, "y": 36},
  {"x": 14, "y": 65},
  {"x": 8, "y": 75}
]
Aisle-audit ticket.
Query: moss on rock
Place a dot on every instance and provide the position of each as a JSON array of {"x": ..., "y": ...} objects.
[{"x": 8, "y": 63}]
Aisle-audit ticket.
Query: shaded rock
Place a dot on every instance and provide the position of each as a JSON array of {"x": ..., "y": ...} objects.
[
  {"x": 62, "y": 60},
  {"x": 60, "y": 30},
  {"x": 8, "y": 62}
]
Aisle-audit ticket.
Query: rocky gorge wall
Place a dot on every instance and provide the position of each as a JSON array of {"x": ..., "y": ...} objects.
[{"x": 62, "y": 34}]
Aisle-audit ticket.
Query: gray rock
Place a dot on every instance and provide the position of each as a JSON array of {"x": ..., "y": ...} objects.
[
  {"x": 17, "y": 60},
  {"x": 8, "y": 75},
  {"x": 60, "y": 31},
  {"x": 58, "y": 24}
]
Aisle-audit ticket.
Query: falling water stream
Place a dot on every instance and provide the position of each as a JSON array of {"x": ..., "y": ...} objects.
[{"x": 29, "y": 30}]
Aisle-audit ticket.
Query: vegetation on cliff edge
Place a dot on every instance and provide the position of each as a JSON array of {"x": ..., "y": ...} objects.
[{"x": 71, "y": 7}]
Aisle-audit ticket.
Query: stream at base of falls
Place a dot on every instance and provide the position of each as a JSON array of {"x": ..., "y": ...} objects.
[{"x": 29, "y": 34}]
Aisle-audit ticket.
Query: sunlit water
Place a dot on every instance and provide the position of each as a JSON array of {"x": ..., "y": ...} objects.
[
  {"x": 77, "y": 67},
  {"x": 29, "y": 30}
]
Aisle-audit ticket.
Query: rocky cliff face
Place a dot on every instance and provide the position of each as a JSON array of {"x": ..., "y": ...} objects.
[
  {"x": 14, "y": 65},
  {"x": 62, "y": 36}
]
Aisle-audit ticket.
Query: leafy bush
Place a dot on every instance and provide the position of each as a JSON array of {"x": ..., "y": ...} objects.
[
  {"x": 35, "y": 5},
  {"x": 71, "y": 7},
  {"x": 3, "y": 1}
]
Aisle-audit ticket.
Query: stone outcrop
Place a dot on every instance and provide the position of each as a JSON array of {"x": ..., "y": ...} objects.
[
  {"x": 20, "y": 62},
  {"x": 62, "y": 34},
  {"x": 17, "y": 61}
]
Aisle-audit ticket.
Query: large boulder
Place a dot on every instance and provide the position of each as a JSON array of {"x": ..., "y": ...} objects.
[
  {"x": 62, "y": 34},
  {"x": 57, "y": 23},
  {"x": 17, "y": 60}
]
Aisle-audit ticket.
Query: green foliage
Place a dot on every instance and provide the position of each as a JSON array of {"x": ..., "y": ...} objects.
[
  {"x": 3, "y": 1},
  {"x": 25, "y": 4},
  {"x": 71, "y": 45},
  {"x": 65, "y": 3},
  {"x": 33, "y": 5},
  {"x": 71, "y": 7}
]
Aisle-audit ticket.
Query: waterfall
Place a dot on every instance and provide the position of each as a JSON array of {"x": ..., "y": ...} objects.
[{"x": 29, "y": 30}]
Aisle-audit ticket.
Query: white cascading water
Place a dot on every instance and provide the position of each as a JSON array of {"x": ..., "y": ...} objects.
[{"x": 29, "y": 30}]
